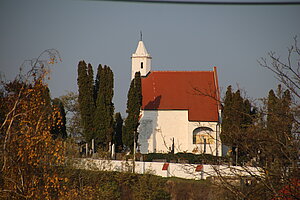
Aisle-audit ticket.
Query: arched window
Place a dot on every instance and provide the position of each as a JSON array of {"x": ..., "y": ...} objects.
[
  {"x": 203, "y": 135},
  {"x": 142, "y": 65}
]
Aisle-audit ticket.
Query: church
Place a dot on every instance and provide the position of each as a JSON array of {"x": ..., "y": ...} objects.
[{"x": 180, "y": 109}]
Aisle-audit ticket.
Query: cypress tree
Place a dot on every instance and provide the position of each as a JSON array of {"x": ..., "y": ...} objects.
[
  {"x": 118, "y": 132},
  {"x": 279, "y": 126},
  {"x": 279, "y": 118},
  {"x": 95, "y": 103},
  {"x": 134, "y": 103},
  {"x": 90, "y": 100},
  {"x": 237, "y": 117},
  {"x": 227, "y": 115},
  {"x": 109, "y": 105},
  {"x": 103, "y": 119},
  {"x": 99, "y": 115},
  {"x": 85, "y": 99}
]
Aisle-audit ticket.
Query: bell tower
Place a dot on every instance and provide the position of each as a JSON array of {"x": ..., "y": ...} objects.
[{"x": 141, "y": 60}]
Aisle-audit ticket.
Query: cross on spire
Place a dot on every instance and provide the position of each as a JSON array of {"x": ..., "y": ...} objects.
[{"x": 141, "y": 36}]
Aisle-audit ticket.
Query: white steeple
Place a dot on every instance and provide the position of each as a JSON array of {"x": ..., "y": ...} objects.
[{"x": 141, "y": 60}]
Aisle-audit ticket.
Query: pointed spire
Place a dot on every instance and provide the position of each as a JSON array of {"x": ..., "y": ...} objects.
[{"x": 141, "y": 49}]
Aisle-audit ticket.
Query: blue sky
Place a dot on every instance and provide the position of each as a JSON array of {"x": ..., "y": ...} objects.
[{"x": 178, "y": 37}]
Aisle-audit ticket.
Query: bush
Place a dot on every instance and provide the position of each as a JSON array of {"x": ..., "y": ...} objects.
[
  {"x": 83, "y": 184},
  {"x": 185, "y": 157}
]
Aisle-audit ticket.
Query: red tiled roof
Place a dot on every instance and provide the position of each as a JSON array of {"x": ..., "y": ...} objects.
[{"x": 175, "y": 90}]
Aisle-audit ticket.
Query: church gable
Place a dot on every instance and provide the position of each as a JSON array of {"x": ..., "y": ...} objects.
[{"x": 175, "y": 90}]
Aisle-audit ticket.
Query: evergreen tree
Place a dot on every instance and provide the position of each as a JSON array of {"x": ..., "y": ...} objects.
[
  {"x": 134, "y": 103},
  {"x": 58, "y": 129},
  {"x": 85, "y": 99},
  {"x": 227, "y": 116},
  {"x": 103, "y": 118},
  {"x": 279, "y": 127},
  {"x": 95, "y": 103},
  {"x": 99, "y": 116},
  {"x": 90, "y": 99},
  {"x": 237, "y": 117},
  {"x": 110, "y": 109},
  {"x": 118, "y": 132}
]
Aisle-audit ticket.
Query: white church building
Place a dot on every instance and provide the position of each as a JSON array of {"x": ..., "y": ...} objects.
[{"x": 180, "y": 109}]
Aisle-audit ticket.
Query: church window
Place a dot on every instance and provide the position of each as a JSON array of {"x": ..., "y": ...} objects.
[
  {"x": 203, "y": 135},
  {"x": 142, "y": 65}
]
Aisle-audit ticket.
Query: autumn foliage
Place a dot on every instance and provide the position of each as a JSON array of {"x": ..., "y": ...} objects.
[{"x": 29, "y": 154}]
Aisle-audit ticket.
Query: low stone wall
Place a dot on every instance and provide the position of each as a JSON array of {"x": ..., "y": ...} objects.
[{"x": 187, "y": 171}]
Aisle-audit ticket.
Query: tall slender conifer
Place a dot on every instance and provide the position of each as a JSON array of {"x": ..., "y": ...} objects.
[
  {"x": 279, "y": 127},
  {"x": 134, "y": 103},
  {"x": 237, "y": 117},
  {"x": 85, "y": 98},
  {"x": 103, "y": 119}
]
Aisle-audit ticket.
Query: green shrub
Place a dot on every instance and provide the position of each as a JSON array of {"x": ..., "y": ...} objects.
[
  {"x": 113, "y": 185},
  {"x": 185, "y": 157}
]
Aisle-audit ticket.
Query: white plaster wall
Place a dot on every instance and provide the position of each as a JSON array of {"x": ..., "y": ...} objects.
[
  {"x": 159, "y": 127},
  {"x": 174, "y": 170},
  {"x": 136, "y": 65}
]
